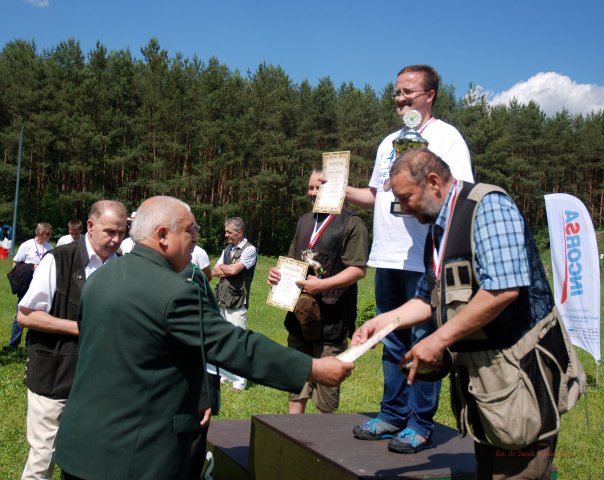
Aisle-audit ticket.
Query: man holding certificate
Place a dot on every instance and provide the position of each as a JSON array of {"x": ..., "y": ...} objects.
[{"x": 336, "y": 248}]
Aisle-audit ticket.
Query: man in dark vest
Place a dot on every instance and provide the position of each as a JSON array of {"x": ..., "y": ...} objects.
[
  {"x": 235, "y": 269},
  {"x": 339, "y": 243},
  {"x": 49, "y": 310},
  {"x": 514, "y": 369}
]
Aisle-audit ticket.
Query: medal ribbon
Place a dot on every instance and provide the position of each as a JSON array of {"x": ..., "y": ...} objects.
[
  {"x": 427, "y": 123},
  {"x": 38, "y": 252},
  {"x": 437, "y": 254},
  {"x": 318, "y": 231}
]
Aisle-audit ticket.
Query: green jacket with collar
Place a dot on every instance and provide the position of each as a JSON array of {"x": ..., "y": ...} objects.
[{"x": 133, "y": 406}]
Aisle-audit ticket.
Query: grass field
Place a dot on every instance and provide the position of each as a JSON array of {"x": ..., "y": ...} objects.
[{"x": 580, "y": 446}]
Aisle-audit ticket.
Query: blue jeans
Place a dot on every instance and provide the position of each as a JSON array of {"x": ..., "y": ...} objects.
[
  {"x": 403, "y": 405},
  {"x": 16, "y": 331}
]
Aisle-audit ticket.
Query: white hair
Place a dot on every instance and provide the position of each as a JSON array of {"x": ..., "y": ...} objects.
[{"x": 160, "y": 211}]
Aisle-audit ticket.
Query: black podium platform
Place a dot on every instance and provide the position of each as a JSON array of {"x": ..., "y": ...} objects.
[{"x": 321, "y": 447}]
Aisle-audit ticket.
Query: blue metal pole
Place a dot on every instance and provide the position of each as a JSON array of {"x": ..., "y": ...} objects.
[{"x": 14, "y": 232}]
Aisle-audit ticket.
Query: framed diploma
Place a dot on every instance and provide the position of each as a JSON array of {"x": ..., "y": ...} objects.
[
  {"x": 285, "y": 294},
  {"x": 331, "y": 194}
]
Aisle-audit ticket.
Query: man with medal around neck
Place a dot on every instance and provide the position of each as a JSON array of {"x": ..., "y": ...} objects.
[
  {"x": 339, "y": 242},
  {"x": 30, "y": 252},
  {"x": 406, "y": 411},
  {"x": 496, "y": 318}
]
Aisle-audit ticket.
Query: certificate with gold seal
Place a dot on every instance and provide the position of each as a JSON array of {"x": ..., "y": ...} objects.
[
  {"x": 330, "y": 198},
  {"x": 286, "y": 293}
]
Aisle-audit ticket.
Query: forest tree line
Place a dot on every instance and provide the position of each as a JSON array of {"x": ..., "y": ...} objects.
[{"x": 107, "y": 124}]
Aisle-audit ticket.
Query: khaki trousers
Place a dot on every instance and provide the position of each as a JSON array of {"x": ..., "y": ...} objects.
[
  {"x": 43, "y": 416},
  {"x": 237, "y": 317}
]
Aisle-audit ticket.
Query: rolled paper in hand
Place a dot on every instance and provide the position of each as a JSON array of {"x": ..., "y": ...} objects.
[{"x": 355, "y": 352}]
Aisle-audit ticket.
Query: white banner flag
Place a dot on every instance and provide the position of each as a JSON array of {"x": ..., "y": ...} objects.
[{"x": 576, "y": 270}]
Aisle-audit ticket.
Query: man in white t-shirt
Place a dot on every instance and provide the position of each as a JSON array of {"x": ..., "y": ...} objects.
[
  {"x": 128, "y": 244},
  {"x": 406, "y": 411},
  {"x": 75, "y": 232},
  {"x": 200, "y": 258},
  {"x": 30, "y": 251}
]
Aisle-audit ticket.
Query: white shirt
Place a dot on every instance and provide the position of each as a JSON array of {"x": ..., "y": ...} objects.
[
  {"x": 200, "y": 258},
  {"x": 31, "y": 251},
  {"x": 65, "y": 239},
  {"x": 127, "y": 245},
  {"x": 43, "y": 286},
  {"x": 398, "y": 241}
]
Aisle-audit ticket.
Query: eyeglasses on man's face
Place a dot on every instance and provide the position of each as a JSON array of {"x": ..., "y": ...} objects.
[{"x": 408, "y": 93}]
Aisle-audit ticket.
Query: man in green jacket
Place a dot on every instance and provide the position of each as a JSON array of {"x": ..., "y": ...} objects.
[{"x": 145, "y": 334}]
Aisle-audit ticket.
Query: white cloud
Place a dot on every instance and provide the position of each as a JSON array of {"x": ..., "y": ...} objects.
[
  {"x": 553, "y": 92},
  {"x": 38, "y": 3}
]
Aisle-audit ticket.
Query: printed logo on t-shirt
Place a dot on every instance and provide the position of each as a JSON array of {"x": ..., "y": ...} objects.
[{"x": 385, "y": 169}]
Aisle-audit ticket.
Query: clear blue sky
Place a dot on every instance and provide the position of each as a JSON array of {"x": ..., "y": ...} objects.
[{"x": 499, "y": 46}]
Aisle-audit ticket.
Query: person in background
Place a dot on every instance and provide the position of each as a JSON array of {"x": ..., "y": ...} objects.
[
  {"x": 406, "y": 411},
  {"x": 339, "y": 243},
  {"x": 30, "y": 252},
  {"x": 49, "y": 310},
  {"x": 200, "y": 258},
  {"x": 128, "y": 243},
  {"x": 235, "y": 270},
  {"x": 74, "y": 227}
]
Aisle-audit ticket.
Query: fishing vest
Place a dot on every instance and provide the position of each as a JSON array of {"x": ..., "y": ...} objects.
[
  {"x": 234, "y": 291},
  {"x": 514, "y": 377},
  {"x": 459, "y": 281}
]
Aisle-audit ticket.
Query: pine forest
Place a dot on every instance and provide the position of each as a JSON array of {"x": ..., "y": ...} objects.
[{"x": 108, "y": 124}]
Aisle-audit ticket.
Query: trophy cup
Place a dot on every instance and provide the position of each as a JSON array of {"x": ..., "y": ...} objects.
[{"x": 407, "y": 139}]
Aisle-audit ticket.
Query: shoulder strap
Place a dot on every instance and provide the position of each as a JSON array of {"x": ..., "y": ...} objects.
[
  {"x": 481, "y": 189},
  {"x": 477, "y": 194},
  {"x": 211, "y": 392}
]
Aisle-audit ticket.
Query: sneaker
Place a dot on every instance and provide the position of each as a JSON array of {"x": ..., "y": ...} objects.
[
  {"x": 409, "y": 441},
  {"x": 375, "y": 429}
]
